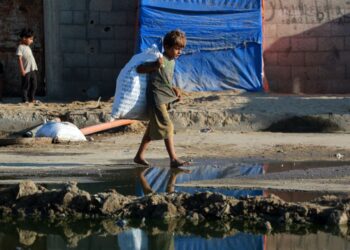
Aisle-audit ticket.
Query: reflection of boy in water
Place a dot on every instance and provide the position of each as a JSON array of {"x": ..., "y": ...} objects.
[
  {"x": 150, "y": 180},
  {"x": 170, "y": 186},
  {"x": 136, "y": 238}
]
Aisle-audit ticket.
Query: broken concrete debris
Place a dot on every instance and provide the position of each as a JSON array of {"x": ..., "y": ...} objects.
[{"x": 31, "y": 200}]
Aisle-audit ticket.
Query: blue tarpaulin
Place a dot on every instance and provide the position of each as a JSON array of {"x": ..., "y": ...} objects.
[{"x": 224, "y": 41}]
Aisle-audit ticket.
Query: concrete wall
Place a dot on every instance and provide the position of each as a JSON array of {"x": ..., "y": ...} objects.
[
  {"x": 307, "y": 46},
  {"x": 89, "y": 41},
  {"x": 15, "y": 15}
]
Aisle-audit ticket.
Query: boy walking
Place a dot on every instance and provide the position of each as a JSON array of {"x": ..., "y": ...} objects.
[
  {"x": 160, "y": 94},
  {"x": 27, "y": 66}
]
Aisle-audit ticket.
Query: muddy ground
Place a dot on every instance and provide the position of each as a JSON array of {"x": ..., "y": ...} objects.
[
  {"x": 327, "y": 155},
  {"x": 228, "y": 125},
  {"x": 227, "y": 111}
]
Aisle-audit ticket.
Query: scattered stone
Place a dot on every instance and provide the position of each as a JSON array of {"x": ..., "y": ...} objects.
[
  {"x": 113, "y": 203},
  {"x": 26, "y": 188},
  {"x": 339, "y": 156},
  {"x": 26, "y": 237},
  {"x": 29, "y": 200},
  {"x": 206, "y": 130}
]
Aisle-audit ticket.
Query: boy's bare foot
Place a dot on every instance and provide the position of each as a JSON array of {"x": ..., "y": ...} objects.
[
  {"x": 141, "y": 161},
  {"x": 179, "y": 163}
]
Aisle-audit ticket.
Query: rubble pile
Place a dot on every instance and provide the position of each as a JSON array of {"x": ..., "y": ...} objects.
[{"x": 28, "y": 200}]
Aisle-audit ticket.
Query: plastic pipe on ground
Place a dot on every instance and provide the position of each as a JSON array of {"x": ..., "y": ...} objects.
[{"x": 105, "y": 126}]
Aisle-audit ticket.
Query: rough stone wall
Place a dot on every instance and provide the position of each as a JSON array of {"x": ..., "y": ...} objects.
[
  {"x": 15, "y": 15},
  {"x": 97, "y": 38},
  {"x": 307, "y": 46}
]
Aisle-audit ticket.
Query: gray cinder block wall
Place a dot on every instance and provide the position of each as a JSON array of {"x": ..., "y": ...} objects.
[
  {"x": 88, "y": 42},
  {"x": 307, "y": 46}
]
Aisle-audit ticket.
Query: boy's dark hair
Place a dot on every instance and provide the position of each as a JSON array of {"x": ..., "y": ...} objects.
[
  {"x": 26, "y": 32},
  {"x": 175, "y": 38}
]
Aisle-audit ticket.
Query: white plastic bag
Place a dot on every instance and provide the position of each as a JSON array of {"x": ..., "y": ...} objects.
[
  {"x": 63, "y": 131},
  {"x": 130, "y": 92}
]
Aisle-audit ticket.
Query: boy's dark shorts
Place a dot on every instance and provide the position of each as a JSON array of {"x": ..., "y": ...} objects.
[{"x": 160, "y": 125}]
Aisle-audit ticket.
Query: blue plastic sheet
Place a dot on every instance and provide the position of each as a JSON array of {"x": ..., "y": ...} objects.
[{"x": 224, "y": 41}]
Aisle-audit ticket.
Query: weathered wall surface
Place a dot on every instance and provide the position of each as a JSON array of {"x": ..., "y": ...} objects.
[
  {"x": 306, "y": 50},
  {"x": 95, "y": 40},
  {"x": 15, "y": 15},
  {"x": 307, "y": 46}
]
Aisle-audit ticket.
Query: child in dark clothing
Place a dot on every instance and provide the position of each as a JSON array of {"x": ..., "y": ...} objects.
[
  {"x": 160, "y": 94},
  {"x": 27, "y": 66}
]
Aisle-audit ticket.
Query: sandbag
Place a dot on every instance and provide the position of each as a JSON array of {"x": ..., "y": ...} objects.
[
  {"x": 130, "y": 92},
  {"x": 63, "y": 131}
]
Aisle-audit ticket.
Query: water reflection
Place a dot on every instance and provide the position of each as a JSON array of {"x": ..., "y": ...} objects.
[
  {"x": 150, "y": 235},
  {"x": 152, "y": 180},
  {"x": 165, "y": 179},
  {"x": 138, "y": 239},
  {"x": 179, "y": 234}
]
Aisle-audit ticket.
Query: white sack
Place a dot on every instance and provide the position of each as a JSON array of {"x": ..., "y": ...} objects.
[
  {"x": 130, "y": 91},
  {"x": 63, "y": 131}
]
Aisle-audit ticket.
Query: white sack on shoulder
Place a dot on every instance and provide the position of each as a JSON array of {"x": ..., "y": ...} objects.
[
  {"x": 63, "y": 131},
  {"x": 130, "y": 92}
]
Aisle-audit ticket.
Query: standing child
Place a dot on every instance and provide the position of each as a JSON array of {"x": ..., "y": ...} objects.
[
  {"x": 27, "y": 65},
  {"x": 160, "y": 94}
]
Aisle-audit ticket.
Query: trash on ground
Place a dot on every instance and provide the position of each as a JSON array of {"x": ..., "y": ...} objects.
[
  {"x": 206, "y": 130},
  {"x": 105, "y": 126},
  {"x": 339, "y": 156},
  {"x": 61, "y": 131}
]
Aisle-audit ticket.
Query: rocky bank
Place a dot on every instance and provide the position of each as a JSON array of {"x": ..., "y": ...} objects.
[{"x": 28, "y": 200}]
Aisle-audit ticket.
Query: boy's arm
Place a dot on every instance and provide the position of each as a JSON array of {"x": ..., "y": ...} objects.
[
  {"x": 149, "y": 67},
  {"x": 21, "y": 67}
]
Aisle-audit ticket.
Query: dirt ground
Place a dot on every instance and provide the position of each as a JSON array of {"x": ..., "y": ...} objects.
[
  {"x": 226, "y": 111},
  {"x": 221, "y": 125},
  {"x": 327, "y": 155}
]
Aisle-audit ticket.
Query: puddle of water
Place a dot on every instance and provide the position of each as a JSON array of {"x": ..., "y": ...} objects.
[
  {"x": 276, "y": 167},
  {"x": 96, "y": 235},
  {"x": 178, "y": 235},
  {"x": 138, "y": 181}
]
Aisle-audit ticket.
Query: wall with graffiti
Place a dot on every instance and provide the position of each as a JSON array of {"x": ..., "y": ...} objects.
[{"x": 307, "y": 46}]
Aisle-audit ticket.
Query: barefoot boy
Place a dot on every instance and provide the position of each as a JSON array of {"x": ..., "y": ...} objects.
[
  {"x": 27, "y": 66},
  {"x": 160, "y": 94}
]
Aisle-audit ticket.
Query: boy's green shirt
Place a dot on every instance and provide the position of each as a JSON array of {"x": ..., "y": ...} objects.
[{"x": 159, "y": 88}]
